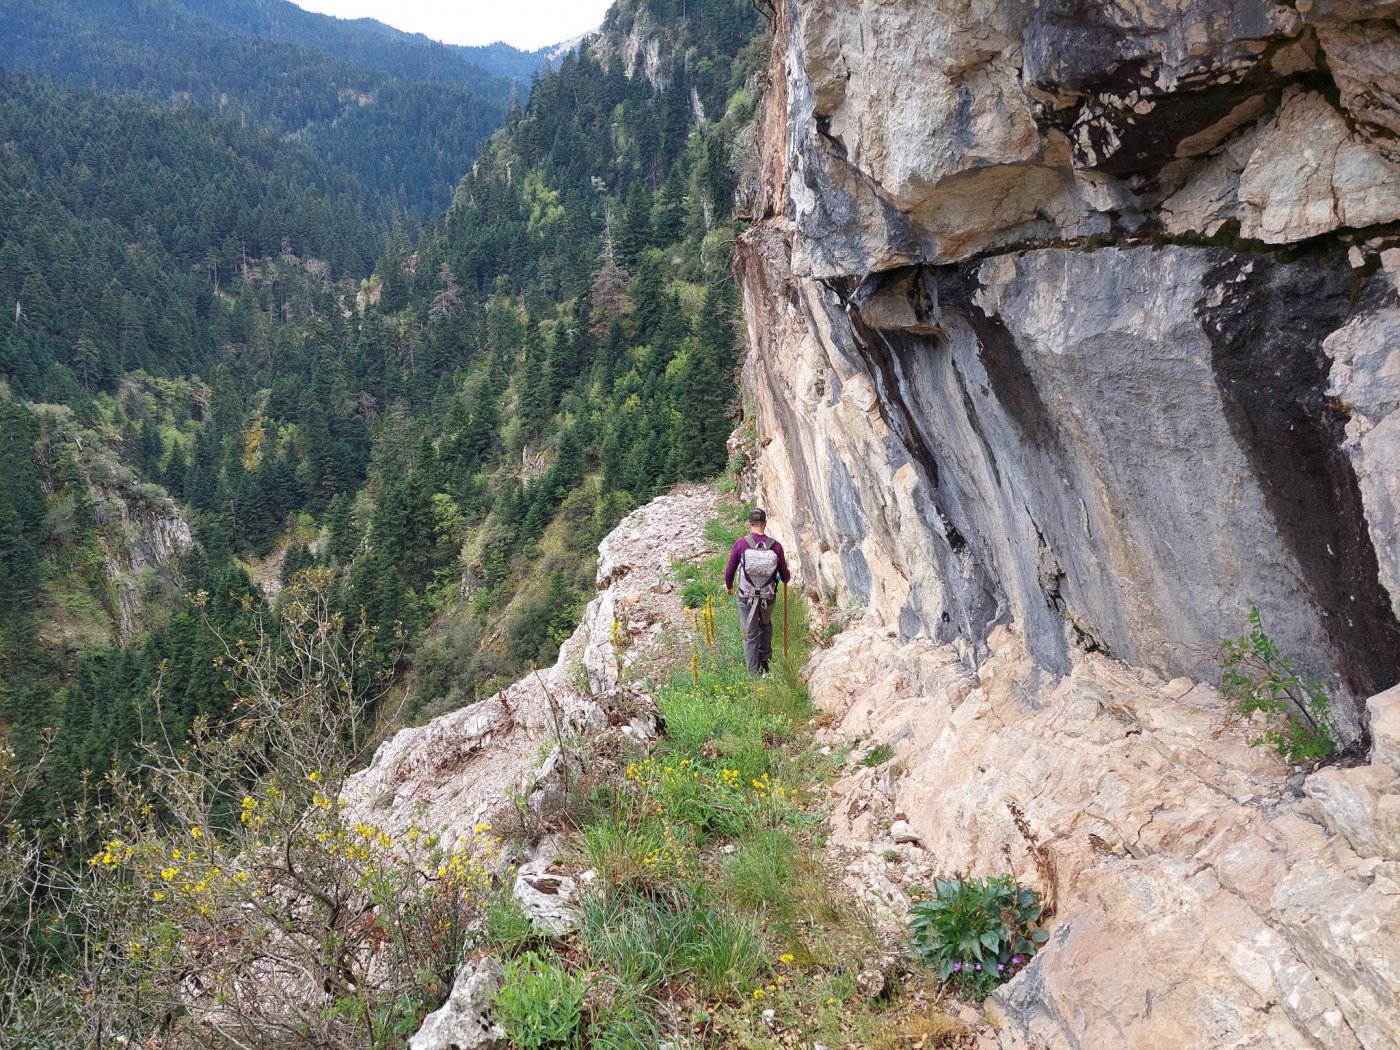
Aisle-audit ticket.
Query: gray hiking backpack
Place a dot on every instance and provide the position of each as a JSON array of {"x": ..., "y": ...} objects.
[{"x": 758, "y": 570}]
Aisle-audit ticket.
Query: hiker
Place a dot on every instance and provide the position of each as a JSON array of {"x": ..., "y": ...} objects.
[{"x": 759, "y": 564}]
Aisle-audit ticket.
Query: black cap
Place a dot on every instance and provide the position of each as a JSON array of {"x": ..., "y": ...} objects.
[{"x": 758, "y": 517}]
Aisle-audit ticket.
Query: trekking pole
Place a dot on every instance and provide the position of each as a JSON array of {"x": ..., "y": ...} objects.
[{"x": 785, "y": 623}]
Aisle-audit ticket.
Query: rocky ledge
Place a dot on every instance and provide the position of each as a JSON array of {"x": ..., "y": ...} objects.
[
  {"x": 500, "y": 761},
  {"x": 1204, "y": 896},
  {"x": 1074, "y": 333}
]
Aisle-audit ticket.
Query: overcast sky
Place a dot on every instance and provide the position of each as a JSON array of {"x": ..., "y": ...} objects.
[{"x": 527, "y": 24}]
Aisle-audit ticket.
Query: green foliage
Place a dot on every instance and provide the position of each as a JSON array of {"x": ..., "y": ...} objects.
[
  {"x": 1260, "y": 684},
  {"x": 506, "y": 927},
  {"x": 760, "y": 875},
  {"x": 540, "y": 1003},
  {"x": 402, "y": 114},
  {"x": 229, "y": 854},
  {"x": 694, "y": 593},
  {"x": 442, "y": 442},
  {"x": 877, "y": 756},
  {"x": 977, "y": 932}
]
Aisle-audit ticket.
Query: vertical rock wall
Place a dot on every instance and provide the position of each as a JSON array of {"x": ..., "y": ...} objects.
[
  {"x": 1075, "y": 329},
  {"x": 1082, "y": 317}
]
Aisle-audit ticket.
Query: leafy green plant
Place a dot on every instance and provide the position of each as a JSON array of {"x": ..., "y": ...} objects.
[
  {"x": 977, "y": 933},
  {"x": 1256, "y": 679},
  {"x": 694, "y": 593},
  {"x": 877, "y": 756},
  {"x": 505, "y": 925},
  {"x": 540, "y": 1003}
]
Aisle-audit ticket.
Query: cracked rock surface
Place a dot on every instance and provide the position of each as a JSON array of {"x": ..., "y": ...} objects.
[
  {"x": 1198, "y": 903},
  {"x": 1073, "y": 332}
]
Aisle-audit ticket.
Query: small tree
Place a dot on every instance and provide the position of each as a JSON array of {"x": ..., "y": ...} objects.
[
  {"x": 1263, "y": 689},
  {"x": 233, "y": 901}
]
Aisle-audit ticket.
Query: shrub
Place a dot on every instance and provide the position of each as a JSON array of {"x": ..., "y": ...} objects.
[
  {"x": 540, "y": 1003},
  {"x": 694, "y": 593},
  {"x": 1257, "y": 679},
  {"x": 977, "y": 933},
  {"x": 232, "y": 898},
  {"x": 877, "y": 756}
]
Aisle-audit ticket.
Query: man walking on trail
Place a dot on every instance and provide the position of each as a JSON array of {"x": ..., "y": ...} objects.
[{"x": 759, "y": 564}]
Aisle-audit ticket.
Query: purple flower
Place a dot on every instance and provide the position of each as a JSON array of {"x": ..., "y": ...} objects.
[
  {"x": 1000, "y": 967},
  {"x": 979, "y": 966},
  {"x": 957, "y": 967},
  {"x": 1015, "y": 960}
]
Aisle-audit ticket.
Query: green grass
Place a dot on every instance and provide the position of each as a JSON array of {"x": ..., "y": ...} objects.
[
  {"x": 877, "y": 756},
  {"x": 711, "y": 898},
  {"x": 506, "y": 927}
]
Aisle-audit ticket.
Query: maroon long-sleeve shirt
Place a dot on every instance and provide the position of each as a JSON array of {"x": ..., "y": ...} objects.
[{"x": 742, "y": 544}]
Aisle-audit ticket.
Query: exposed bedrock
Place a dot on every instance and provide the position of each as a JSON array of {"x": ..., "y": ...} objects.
[
  {"x": 1082, "y": 317},
  {"x": 1201, "y": 903},
  {"x": 1075, "y": 329}
]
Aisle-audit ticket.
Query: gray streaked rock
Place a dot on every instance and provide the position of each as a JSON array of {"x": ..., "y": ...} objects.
[
  {"x": 1311, "y": 174},
  {"x": 466, "y": 1020},
  {"x": 1366, "y": 377},
  {"x": 1038, "y": 444}
]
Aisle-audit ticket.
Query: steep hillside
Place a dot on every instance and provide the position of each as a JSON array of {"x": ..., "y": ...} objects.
[
  {"x": 428, "y": 453},
  {"x": 402, "y": 114},
  {"x": 1072, "y": 328},
  {"x": 566, "y": 339}
]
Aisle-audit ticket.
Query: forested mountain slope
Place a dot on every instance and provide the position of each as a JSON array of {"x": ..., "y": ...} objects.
[
  {"x": 122, "y": 225},
  {"x": 401, "y": 113},
  {"x": 226, "y": 364},
  {"x": 373, "y": 45},
  {"x": 449, "y": 437},
  {"x": 152, "y": 264}
]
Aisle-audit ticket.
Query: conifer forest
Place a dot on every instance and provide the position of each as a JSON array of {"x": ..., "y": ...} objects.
[{"x": 428, "y": 321}]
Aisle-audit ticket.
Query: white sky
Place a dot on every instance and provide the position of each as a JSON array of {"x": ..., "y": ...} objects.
[{"x": 527, "y": 24}]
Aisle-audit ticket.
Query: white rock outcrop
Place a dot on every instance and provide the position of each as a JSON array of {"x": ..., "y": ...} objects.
[
  {"x": 466, "y": 1021},
  {"x": 1202, "y": 901},
  {"x": 482, "y": 764}
]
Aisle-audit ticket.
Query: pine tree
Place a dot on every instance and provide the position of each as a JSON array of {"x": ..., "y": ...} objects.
[{"x": 703, "y": 390}]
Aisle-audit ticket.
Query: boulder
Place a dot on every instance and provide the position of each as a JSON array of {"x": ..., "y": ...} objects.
[
  {"x": 466, "y": 1021},
  {"x": 546, "y": 894},
  {"x": 469, "y": 766}
]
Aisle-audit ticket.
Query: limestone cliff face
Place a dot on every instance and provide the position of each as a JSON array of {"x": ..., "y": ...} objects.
[
  {"x": 1083, "y": 317},
  {"x": 1075, "y": 328}
]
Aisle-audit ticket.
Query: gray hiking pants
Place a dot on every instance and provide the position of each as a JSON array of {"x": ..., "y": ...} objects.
[{"x": 756, "y": 625}]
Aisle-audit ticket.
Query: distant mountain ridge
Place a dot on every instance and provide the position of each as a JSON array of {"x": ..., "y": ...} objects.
[
  {"x": 366, "y": 41},
  {"x": 402, "y": 113}
]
